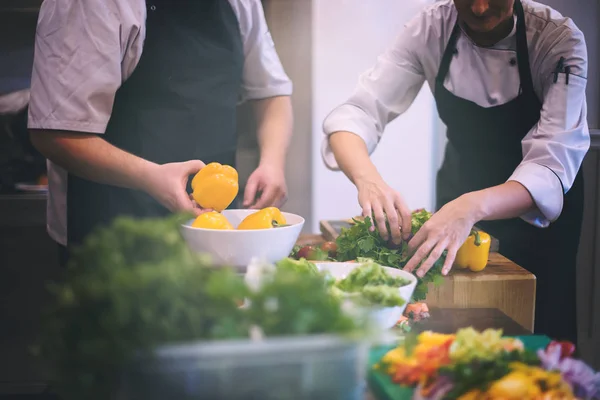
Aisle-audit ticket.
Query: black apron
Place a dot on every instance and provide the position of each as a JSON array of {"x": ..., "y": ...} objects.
[
  {"x": 484, "y": 148},
  {"x": 179, "y": 104}
]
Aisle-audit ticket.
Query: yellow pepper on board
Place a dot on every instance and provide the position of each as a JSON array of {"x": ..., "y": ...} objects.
[
  {"x": 474, "y": 253},
  {"x": 215, "y": 186},
  {"x": 266, "y": 218},
  {"x": 212, "y": 220}
]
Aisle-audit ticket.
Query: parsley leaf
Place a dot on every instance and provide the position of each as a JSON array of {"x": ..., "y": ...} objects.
[{"x": 359, "y": 241}]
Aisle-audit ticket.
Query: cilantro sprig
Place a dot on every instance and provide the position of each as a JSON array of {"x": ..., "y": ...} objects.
[{"x": 359, "y": 241}]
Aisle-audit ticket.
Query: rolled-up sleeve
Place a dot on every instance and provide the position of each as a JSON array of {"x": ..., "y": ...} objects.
[
  {"x": 554, "y": 149},
  {"x": 77, "y": 66},
  {"x": 264, "y": 75},
  {"x": 383, "y": 92}
]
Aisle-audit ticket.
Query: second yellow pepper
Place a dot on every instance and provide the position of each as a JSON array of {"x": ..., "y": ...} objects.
[
  {"x": 212, "y": 220},
  {"x": 215, "y": 186},
  {"x": 474, "y": 253},
  {"x": 266, "y": 218}
]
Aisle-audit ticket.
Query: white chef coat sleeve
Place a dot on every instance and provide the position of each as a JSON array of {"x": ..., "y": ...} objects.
[
  {"x": 76, "y": 67},
  {"x": 264, "y": 75},
  {"x": 554, "y": 149},
  {"x": 383, "y": 92}
]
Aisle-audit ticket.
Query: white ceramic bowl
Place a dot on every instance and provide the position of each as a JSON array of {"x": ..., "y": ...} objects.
[
  {"x": 384, "y": 317},
  {"x": 235, "y": 248}
]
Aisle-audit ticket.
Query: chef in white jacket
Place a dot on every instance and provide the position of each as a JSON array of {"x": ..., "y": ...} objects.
[{"x": 509, "y": 80}]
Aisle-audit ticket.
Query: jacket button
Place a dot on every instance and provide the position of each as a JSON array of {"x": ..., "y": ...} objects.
[{"x": 513, "y": 61}]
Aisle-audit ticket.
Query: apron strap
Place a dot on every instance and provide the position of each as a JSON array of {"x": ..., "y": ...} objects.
[
  {"x": 448, "y": 54},
  {"x": 523, "y": 51}
]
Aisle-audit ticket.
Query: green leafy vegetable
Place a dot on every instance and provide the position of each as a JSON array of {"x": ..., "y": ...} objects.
[
  {"x": 135, "y": 285},
  {"x": 294, "y": 303},
  {"x": 359, "y": 241},
  {"x": 300, "y": 266},
  {"x": 369, "y": 273},
  {"x": 479, "y": 374},
  {"x": 385, "y": 296}
]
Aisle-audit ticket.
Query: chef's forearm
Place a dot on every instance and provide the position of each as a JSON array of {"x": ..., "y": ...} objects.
[
  {"x": 508, "y": 200},
  {"x": 91, "y": 157},
  {"x": 352, "y": 156},
  {"x": 274, "y": 129}
]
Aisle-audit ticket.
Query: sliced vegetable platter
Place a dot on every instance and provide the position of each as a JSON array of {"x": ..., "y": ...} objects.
[
  {"x": 383, "y": 388},
  {"x": 472, "y": 365}
]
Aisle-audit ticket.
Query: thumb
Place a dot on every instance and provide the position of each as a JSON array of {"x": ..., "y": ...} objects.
[{"x": 193, "y": 166}]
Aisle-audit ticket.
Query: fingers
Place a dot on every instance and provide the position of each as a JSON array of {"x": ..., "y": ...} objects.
[
  {"x": 394, "y": 223},
  {"x": 450, "y": 257},
  {"x": 405, "y": 217},
  {"x": 423, "y": 248},
  {"x": 434, "y": 255},
  {"x": 379, "y": 216},
  {"x": 267, "y": 197},
  {"x": 367, "y": 211},
  {"x": 250, "y": 192}
]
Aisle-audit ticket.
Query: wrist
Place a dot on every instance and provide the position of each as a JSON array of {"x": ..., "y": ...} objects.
[
  {"x": 148, "y": 172},
  {"x": 272, "y": 160},
  {"x": 474, "y": 206},
  {"x": 363, "y": 178}
]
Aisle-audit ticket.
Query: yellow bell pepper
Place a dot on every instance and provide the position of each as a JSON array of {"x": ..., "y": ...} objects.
[
  {"x": 474, "y": 253},
  {"x": 212, "y": 220},
  {"x": 215, "y": 186},
  {"x": 266, "y": 218}
]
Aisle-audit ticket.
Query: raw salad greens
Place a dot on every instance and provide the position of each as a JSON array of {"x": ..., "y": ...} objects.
[
  {"x": 368, "y": 283},
  {"x": 369, "y": 273},
  {"x": 359, "y": 241}
]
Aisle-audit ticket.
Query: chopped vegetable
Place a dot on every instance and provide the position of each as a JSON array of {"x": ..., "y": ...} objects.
[
  {"x": 583, "y": 379},
  {"x": 312, "y": 253},
  {"x": 474, "y": 253},
  {"x": 215, "y": 186},
  {"x": 266, "y": 218},
  {"x": 470, "y": 344},
  {"x": 484, "y": 365},
  {"x": 369, "y": 273},
  {"x": 382, "y": 295},
  {"x": 212, "y": 220},
  {"x": 330, "y": 248}
]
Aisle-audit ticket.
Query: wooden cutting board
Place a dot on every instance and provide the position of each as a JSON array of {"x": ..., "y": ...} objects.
[{"x": 331, "y": 229}]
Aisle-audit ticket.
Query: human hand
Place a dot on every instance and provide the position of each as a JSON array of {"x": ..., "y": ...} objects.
[
  {"x": 266, "y": 187},
  {"x": 379, "y": 201},
  {"x": 167, "y": 183},
  {"x": 447, "y": 229}
]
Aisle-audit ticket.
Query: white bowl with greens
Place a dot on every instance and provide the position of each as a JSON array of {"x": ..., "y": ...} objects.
[{"x": 383, "y": 290}]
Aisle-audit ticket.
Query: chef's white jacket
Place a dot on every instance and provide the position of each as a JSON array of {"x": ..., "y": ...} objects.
[
  {"x": 554, "y": 148},
  {"x": 85, "y": 50}
]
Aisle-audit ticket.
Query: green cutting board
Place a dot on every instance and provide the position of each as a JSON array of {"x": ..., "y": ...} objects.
[{"x": 383, "y": 388}]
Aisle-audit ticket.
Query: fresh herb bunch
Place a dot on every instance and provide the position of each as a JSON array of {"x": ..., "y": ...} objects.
[
  {"x": 359, "y": 241},
  {"x": 297, "y": 302},
  {"x": 479, "y": 374},
  {"x": 135, "y": 285},
  {"x": 130, "y": 287}
]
